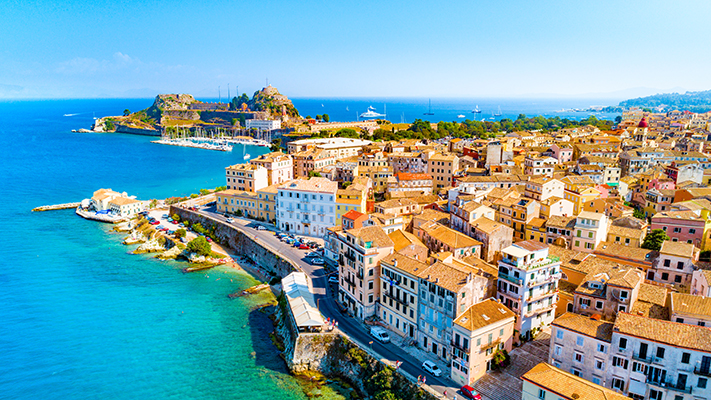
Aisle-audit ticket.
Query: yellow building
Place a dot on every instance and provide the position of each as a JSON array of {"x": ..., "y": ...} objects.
[
  {"x": 266, "y": 199},
  {"x": 378, "y": 176},
  {"x": 536, "y": 230},
  {"x": 354, "y": 197},
  {"x": 238, "y": 202},
  {"x": 579, "y": 190},
  {"x": 442, "y": 168}
]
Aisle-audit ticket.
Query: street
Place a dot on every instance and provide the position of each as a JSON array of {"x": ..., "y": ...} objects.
[{"x": 325, "y": 295}]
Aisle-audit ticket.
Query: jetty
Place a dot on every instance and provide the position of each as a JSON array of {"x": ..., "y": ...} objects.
[
  {"x": 252, "y": 290},
  {"x": 64, "y": 206},
  {"x": 199, "y": 268},
  {"x": 198, "y": 143}
]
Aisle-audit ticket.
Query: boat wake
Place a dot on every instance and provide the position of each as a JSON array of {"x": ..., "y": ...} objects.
[{"x": 70, "y": 115}]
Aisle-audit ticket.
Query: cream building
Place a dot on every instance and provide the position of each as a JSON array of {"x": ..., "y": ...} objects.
[
  {"x": 246, "y": 177},
  {"x": 280, "y": 167}
]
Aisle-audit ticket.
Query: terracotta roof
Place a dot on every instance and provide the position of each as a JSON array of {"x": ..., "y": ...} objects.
[
  {"x": 680, "y": 249},
  {"x": 483, "y": 314},
  {"x": 557, "y": 221},
  {"x": 396, "y": 203},
  {"x": 568, "y": 386},
  {"x": 404, "y": 263},
  {"x": 628, "y": 278},
  {"x": 409, "y": 176},
  {"x": 537, "y": 222},
  {"x": 315, "y": 184},
  {"x": 353, "y": 215},
  {"x": 672, "y": 333},
  {"x": 123, "y": 201},
  {"x": 452, "y": 238},
  {"x": 402, "y": 239},
  {"x": 447, "y": 276},
  {"x": 486, "y": 225},
  {"x": 624, "y": 232},
  {"x": 617, "y": 250},
  {"x": 587, "y": 326},
  {"x": 531, "y": 245},
  {"x": 374, "y": 234},
  {"x": 699, "y": 306}
]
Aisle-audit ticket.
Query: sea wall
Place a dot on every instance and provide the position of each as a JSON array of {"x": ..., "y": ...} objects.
[
  {"x": 241, "y": 242},
  {"x": 136, "y": 131}
]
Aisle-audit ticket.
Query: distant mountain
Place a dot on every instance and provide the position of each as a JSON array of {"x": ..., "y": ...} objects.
[{"x": 699, "y": 102}]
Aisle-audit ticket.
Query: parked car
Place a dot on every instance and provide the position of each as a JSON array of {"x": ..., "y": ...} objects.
[
  {"x": 317, "y": 261},
  {"x": 333, "y": 279},
  {"x": 432, "y": 368},
  {"x": 155, "y": 223},
  {"x": 470, "y": 393},
  {"x": 261, "y": 228},
  {"x": 380, "y": 334},
  {"x": 313, "y": 254},
  {"x": 165, "y": 216},
  {"x": 230, "y": 220},
  {"x": 208, "y": 239},
  {"x": 303, "y": 247}
]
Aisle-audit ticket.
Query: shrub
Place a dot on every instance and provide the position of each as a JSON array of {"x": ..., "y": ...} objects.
[
  {"x": 176, "y": 217},
  {"x": 200, "y": 246},
  {"x": 500, "y": 360}
]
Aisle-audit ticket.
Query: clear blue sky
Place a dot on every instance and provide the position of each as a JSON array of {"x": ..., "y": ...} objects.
[{"x": 100, "y": 48}]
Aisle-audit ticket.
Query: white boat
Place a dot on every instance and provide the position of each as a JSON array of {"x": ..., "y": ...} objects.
[
  {"x": 498, "y": 114},
  {"x": 460, "y": 116},
  {"x": 371, "y": 113},
  {"x": 476, "y": 110}
]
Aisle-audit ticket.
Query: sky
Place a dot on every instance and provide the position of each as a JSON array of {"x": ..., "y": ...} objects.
[{"x": 306, "y": 48}]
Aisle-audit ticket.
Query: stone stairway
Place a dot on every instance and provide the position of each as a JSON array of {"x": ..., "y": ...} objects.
[{"x": 507, "y": 384}]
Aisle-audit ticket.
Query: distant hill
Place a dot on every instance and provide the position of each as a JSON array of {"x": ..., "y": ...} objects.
[{"x": 698, "y": 102}]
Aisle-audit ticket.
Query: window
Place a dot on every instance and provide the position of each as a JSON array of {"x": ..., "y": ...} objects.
[
  {"x": 665, "y": 276},
  {"x": 576, "y": 372},
  {"x": 558, "y": 350},
  {"x": 702, "y": 383},
  {"x": 660, "y": 352},
  {"x": 541, "y": 394},
  {"x": 692, "y": 231},
  {"x": 598, "y": 305},
  {"x": 680, "y": 265},
  {"x": 677, "y": 278},
  {"x": 620, "y": 362},
  {"x": 685, "y": 358},
  {"x": 601, "y": 348},
  {"x": 580, "y": 341},
  {"x": 618, "y": 384},
  {"x": 579, "y": 357},
  {"x": 596, "y": 380},
  {"x": 559, "y": 334},
  {"x": 624, "y": 294}
]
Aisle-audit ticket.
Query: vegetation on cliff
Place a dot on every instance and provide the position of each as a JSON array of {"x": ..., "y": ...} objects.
[{"x": 698, "y": 102}]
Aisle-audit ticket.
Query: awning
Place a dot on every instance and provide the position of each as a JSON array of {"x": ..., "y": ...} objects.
[{"x": 638, "y": 387}]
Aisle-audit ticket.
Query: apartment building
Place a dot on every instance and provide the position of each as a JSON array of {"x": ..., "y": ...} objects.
[
  {"x": 438, "y": 238},
  {"x": 544, "y": 187},
  {"x": 379, "y": 175},
  {"x": 675, "y": 264},
  {"x": 516, "y": 213},
  {"x": 246, "y": 177},
  {"x": 307, "y": 207},
  {"x": 311, "y": 160},
  {"x": 408, "y": 182},
  {"x": 354, "y": 197},
  {"x": 693, "y": 227},
  {"x": 580, "y": 345},
  {"x": 464, "y": 213},
  {"x": 546, "y": 382},
  {"x": 579, "y": 190},
  {"x": 399, "y": 293},
  {"x": 407, "y": 162},
  {"x": 528, "y": 285},
  {"x": 539, "y": 165},
  {"x": 494, "y": 237},
  {"x": 359, "y": 253},
  {"x": 590, "y": 229},
  {"x": 555, "y": 206},
  {"x": 690, "y": 309},
  {"x": 279, "y": 166},
  {"x": 608, "y": 292},
  {"x": 442, "y": 168},
  {"x": 478, "y": 333}
]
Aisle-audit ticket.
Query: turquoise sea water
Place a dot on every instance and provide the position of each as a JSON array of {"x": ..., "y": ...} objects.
[{"x": 82, "y": 319}]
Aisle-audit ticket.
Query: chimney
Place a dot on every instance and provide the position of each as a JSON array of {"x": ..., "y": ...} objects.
[
  {"x": 436, "y": 280},
  {"x": 395, "y": 263},
  {"x": 469, "y": 277}
]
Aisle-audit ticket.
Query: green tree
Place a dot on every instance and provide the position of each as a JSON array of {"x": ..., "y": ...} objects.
[
  {"x": 325, "y": 118},
  {"x": 313, "y": 174},
  {"x": 126, "y": 112},
  {"x": 180, "y": 233},
  {"x": 110, "y": 126},
  {"x": 654, "y": 240},
  {"x": 176, "y": 217},
  {"x": 204, "y": 191},
  {"x": 318, "y": 116},
  {"x": 200, "y": 246},
  {"x": 638, "y": 213},
  {"x": 234, "y": 121},
  {"x": 276, "y": 144},
  {"x": 385, "y": 395}
]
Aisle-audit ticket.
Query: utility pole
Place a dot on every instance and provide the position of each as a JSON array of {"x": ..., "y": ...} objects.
[
  {"x": 219, "y": 95},
  {"x": 228, "y": 92}
]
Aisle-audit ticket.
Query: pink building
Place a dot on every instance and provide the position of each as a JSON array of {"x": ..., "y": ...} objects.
[
  {"x": 662, "y": 183},
  {"x": 562, "y": 154},
  {"x": 604, "y": 190},
  {"x": 681, "y": 226}
]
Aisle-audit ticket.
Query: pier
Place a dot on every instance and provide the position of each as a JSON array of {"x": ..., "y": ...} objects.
[{"x": 64, "y": 206}]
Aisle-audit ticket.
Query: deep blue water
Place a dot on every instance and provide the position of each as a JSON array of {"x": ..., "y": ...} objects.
[{"x": 82, "y": 319}]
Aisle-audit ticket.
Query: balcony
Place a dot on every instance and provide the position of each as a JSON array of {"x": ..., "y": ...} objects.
[
  {"x": 667, "y": 384},
  {"x": 515, "y": 281},
  {"x": 539, "y": 296},
  {"x": 396, "y": 299},
  {"x": 647, "y": 358},
  {"x": 540, "y": 310},
  {"x": 349, "y": 280},
  {"x": 359, "y": 274},
  {"x": 459, "y": 346},
  {"x": 495, "y": 343},
  {"x": 541, "y": 281},
  {"x": 350, "y": 256},
  {"x": 515, "y": 296},
  {"x": 702, "y": 371}
]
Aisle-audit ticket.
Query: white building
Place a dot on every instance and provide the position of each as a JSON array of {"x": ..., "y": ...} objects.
[
  {"x": 263, "y": 124},
  {"x": 280, "y": 167},
  {"x": 528, "y": 285},
  {"x": 546, "y": 382},
  {"x": 126, "y": 207},
  {"x": 581, "y": 345},
  {"x": 307, "y": 207},
  {"x": 590, "y": 229}
]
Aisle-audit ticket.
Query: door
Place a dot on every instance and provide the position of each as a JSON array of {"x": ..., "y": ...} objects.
[
  {"x": 434, "y": 348},
  {"x": 643, "y": 351},
  {"x": 412, "y": 331},
  {"x": 681, "y": 382},
  {"x": 705, "y": 365}
]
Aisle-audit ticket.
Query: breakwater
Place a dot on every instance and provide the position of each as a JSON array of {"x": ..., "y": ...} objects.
[{"x": 63, "y": 206}]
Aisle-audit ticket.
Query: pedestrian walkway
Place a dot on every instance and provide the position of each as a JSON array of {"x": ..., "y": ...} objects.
[{"x": 506, "y": 384}]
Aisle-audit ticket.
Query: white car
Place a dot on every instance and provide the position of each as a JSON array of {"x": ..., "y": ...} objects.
[
  {"x": 432, "y": 368},
  {"x": 230, "y": 220},
  {"x": 316, "y": 261},
  {"x": 380, "y": 333},
  {"x": 333, "y": 279},
  {"x": 261, "y": 228}
]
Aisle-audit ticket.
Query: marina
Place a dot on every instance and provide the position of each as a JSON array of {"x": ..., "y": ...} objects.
[{"x": 198, "y": 143}]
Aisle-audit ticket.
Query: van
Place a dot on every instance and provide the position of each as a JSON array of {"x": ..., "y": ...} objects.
[{"x": 380, "y": 334}]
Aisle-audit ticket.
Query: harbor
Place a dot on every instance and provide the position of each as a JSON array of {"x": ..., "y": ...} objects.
[{"x": 198, "y": 143}]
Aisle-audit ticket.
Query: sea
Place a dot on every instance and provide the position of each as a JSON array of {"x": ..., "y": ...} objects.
[{"x": 81, "y": 318}]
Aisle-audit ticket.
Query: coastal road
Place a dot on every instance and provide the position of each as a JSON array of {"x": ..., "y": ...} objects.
[{"x": 325, "y": 295}]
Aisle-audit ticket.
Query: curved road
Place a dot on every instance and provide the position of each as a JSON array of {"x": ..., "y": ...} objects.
[{"x": 325, "y": 298}]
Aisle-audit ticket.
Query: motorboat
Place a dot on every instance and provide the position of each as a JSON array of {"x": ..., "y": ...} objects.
[{"x": 371, "y": 113}]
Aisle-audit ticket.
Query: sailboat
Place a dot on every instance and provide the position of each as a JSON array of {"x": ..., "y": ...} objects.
[
  {"x": 429, "y": 110},
  {"x": 476, "y": 110},
  {"x": 246, "y": 155},
  {"x": 498, "y": 114},
  {"x": 347, "y": 108}
]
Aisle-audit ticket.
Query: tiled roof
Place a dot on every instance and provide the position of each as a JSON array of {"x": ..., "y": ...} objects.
[
  {"x": 624, "y": 232},
  {"x": 447, "y": 276},
  {"x": 568, "y": 386},
  {"x": 672, "y": 333},
  {"x": 699, "y": 306},
  {"x": 374, "y": 234},
  {"x": 452, "y": 238},
  {"x": 483, "y": 314},
  {"x": 486, "y": 225},
  {"x": 409, "y": 176},
  {"x": 402, "y": 239},
  {"x": 617, "y": 250},
  {"x": 587, "y": 326},
  {"x": 315, "y": 184},
  {"x": 123, "y": 201},
  {"x": 353, "y": 215},
  {"x": 404, "y": 263},
  {"x": 557, "y": 221},
  {"x": 680, "y": 249}
]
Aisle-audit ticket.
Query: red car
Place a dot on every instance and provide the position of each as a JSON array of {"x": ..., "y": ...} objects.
[
  {"x": 470, "y": 393},
  {"x": 155, "y": 223},
  {"x": 303, "y": 247}
]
